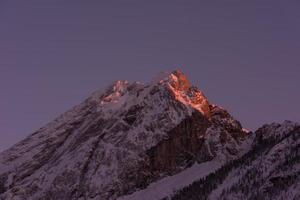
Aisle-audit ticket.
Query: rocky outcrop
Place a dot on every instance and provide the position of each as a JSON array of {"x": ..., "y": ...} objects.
[{"x": 269, "y": 170}]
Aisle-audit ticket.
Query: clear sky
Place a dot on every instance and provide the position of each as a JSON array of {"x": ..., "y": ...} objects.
[{"x": 244, "y": 55}]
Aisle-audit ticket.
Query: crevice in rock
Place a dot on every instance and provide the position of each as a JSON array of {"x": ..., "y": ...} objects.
[{"x": 82, "y": 188}]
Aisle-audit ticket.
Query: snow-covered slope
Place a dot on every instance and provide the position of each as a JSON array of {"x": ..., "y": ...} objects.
[{"x": 128, "y": 141}]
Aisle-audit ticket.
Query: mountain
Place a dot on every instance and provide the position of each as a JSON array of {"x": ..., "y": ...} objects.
[{"x": 160, "y": 140}]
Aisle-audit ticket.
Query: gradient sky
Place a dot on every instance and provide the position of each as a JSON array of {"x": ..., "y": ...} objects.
[{"x": 244, "y": 55}]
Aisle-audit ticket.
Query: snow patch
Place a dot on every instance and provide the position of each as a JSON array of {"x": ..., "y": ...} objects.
[{"x": 166, "y": 187}]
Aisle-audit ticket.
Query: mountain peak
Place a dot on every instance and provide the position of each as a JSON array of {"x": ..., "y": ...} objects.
[
  {"x": 179, "y": 80},
  {"x": 185, "y": 92},
  {"x": 175, "y": 82},
  {"x": 176, "y": 78}
]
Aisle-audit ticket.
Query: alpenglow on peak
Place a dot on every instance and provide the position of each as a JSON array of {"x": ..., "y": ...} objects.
[
  {"x": 175, "y": 83},
  {"x": 186, "y": 93}
]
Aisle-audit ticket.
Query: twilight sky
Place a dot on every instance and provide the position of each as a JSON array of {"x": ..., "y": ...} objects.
[{"x": 244, "y": 55}]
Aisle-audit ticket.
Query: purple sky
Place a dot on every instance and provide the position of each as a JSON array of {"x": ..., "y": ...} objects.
[{"x": 53, "y": 54}]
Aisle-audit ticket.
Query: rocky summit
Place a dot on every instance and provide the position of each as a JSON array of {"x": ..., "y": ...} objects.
[{"x": 153, "y": 141}]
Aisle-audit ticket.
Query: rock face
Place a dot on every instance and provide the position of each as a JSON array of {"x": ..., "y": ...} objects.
[
  {"x": 122, "y": 140},
  {"x": 180, "y": 150}
]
